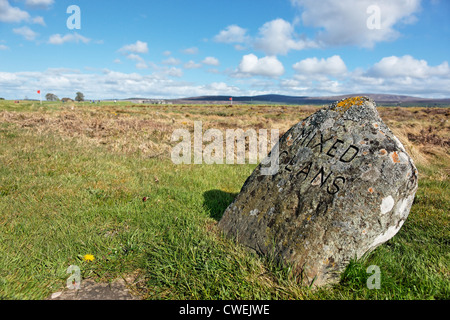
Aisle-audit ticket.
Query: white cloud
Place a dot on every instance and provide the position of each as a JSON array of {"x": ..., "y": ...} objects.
[
  {"x": 407, "y": 66},
  {"x": 239, "y": 47},
  {"x": 391, "y": 75},
  {"x": 344, "y": 22},
  {"x": 192, "y": 65},
  {"x": 108, "y": 84},
  {"x": 39, "y": 4},
  {"x": 211, "y": 61},
  {"x": 12, "y": 14},
  {"x": 3, "y": 47},
  {"x": 278, "y": 37},
  {"x": 405, "y": 75},
  {"x": 171, "y": 72},
  {"x": 138, "y": 47},
  {"x": 26, "y": 32},
  {"x": 135, "y": 57},
  {"x": 141, "y": 65},
  {"x": 164, "y": 71},
  {"x": 220, "y": 88},
  {"x": 213, "y": 71},
  {"x": 232, "y": 34},
  {"x": 332, "y": 66},
  {"x": 167, "y": 53},
  {"x": 140, "y": 62},
  {"x": 267, "y": 66},
  {"x": 70, "y": 37},
  {"x": 171, "y": 61},
  {"x": 39, "y": 20},
  {"x": 338, "y": 23},
  {"x": 192, "y": 50},
  {"x": 10, "y": 82}
]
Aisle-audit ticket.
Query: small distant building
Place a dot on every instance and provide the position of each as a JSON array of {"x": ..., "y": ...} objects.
[{"x": 149, "y": 101}]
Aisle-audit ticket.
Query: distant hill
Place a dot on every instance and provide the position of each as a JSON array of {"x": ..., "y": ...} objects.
[{"x": 380, "y": 99}]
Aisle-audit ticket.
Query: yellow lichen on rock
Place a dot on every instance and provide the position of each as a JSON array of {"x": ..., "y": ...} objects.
[{"x": 345, "y": 104}]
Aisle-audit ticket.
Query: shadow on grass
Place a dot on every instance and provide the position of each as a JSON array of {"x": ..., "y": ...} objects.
[{"x": 216, "y": 201}]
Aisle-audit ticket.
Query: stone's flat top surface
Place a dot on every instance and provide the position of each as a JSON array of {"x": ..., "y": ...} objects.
[
  {"x": 91, "y": 290},
  {"x": 344, "y": 185}
]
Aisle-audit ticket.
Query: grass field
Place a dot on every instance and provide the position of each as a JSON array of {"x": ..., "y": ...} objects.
[{"x": 73, "y": 178}]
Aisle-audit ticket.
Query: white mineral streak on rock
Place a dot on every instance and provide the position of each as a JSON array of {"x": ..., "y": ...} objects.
[
  {"x": 403, "y": 206},
  {"x": 387, "y": 204},
  {"x": 390, "y": 232},
  {"x": 254, "y": 212},
  {"x": 403, "y": 157},
  {"x": 399, "y": 143}
]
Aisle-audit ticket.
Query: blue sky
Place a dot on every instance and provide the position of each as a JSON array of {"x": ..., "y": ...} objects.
[{"x": 178, "y": 48}]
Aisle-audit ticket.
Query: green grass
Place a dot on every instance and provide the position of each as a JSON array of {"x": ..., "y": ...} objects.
[{"x": 60, "y": 200}]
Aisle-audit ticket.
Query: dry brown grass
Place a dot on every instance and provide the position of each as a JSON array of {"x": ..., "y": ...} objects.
[
  {"x": 146, "y": 130},
  {"x": 425, "y": 132}
]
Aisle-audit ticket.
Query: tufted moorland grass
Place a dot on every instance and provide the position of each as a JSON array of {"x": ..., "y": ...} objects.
[{"x": 72, "y": 183}]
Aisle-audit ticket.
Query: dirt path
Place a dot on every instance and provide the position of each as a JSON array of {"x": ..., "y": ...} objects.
[{"x": 91, "y": 290}]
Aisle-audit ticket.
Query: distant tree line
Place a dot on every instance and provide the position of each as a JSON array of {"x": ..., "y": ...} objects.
[
  {"x": 53, "y": 97},
  {"x": 79, "y": 97}
]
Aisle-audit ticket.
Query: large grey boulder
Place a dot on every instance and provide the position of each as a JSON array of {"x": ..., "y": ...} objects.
[{"x": 345, "y": 185}]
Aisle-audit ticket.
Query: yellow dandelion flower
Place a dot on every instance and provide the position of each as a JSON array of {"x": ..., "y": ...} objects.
[{"x": 88, "y": 257}]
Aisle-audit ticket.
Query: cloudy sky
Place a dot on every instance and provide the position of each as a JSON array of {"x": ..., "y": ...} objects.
[{"x": 180, "y": 48}]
